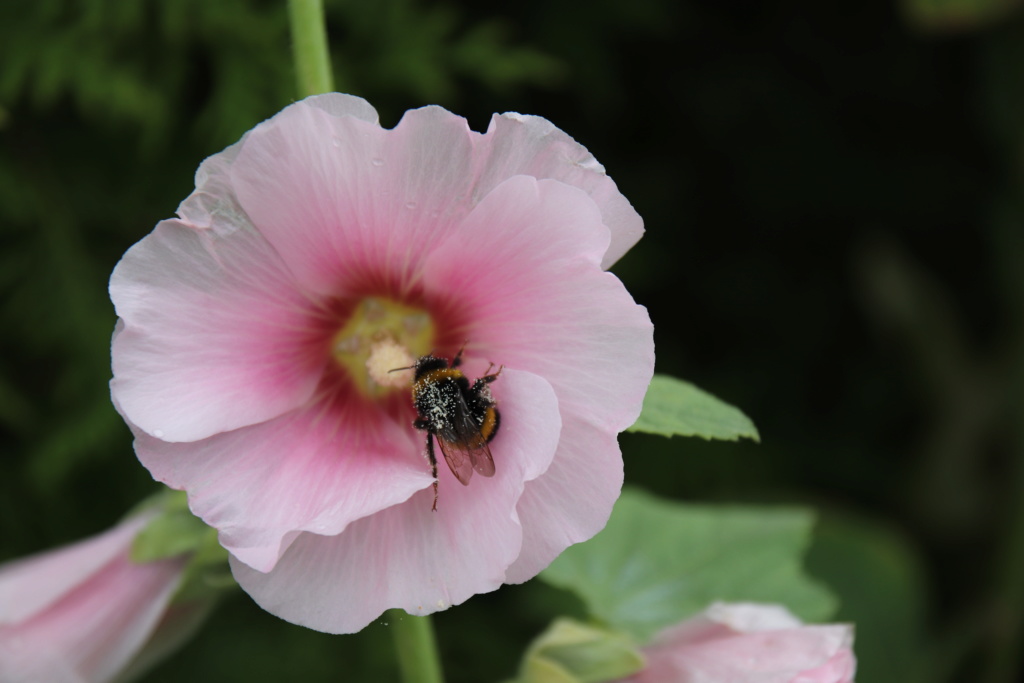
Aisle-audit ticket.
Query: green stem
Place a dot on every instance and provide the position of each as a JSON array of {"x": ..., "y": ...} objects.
[
  {"x": 309, "y": 47},
  {"x": 416, "y": 646}
]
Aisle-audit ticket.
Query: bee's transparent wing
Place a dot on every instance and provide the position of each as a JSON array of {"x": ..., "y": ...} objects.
[
  {"x": 465, "y": 449},
  {"x": 459, "y": 459},
  {"x": 482, "y": 460}
]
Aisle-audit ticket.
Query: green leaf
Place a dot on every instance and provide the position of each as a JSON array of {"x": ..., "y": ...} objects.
[
  {"x": 673, "y": 407},
  {"x": 571, "y": 652},
  {"x": 658, "y": 562}
]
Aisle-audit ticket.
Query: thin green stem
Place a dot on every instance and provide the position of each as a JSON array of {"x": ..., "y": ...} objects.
[
  {"x": 416, "y": 646},
  {"x": 309, "y": 47}
]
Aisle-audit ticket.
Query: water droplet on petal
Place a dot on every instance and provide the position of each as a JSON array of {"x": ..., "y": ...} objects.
[
  {"x": 158, "y": 433},
  {"x": 377, "y": 161},
  {"x": 410, "y": 205},
  {"x": 336, "y": 141}
]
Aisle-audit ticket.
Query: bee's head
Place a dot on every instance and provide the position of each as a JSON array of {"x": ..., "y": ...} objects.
[{"x": 429, "y": 363}]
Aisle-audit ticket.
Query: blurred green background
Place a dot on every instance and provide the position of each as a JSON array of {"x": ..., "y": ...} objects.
[{"x": 834, "y": 206}]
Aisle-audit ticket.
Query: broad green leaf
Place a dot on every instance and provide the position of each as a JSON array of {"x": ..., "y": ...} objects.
[
  {"x": 571, "y": 652},
  {"x": 659, "y": 562},
  {"x": 673, "y": 407}
]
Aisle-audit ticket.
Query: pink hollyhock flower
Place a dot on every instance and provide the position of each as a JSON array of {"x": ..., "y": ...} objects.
[
  {"x": 258, "y": 329},
  {"x": 86, "y": 613},
  {"x": 749, "y": 643}
]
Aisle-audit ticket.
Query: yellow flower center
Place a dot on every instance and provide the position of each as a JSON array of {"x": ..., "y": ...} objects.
[{"x": 380, "y": 336}]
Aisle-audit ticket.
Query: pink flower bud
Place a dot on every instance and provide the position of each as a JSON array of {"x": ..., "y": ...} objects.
[
  {"x": 86, "y": 613},
  {"x": 749, "y": 643}
]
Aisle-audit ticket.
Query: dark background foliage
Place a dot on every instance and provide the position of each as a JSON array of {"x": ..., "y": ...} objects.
[{"x": 832, "y": 194}]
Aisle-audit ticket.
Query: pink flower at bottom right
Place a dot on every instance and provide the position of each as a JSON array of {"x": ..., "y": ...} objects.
[{"x": 749, "y": 643}]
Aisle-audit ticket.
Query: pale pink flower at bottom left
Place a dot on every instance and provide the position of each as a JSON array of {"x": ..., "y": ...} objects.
[{"x": 86, "y": 613}]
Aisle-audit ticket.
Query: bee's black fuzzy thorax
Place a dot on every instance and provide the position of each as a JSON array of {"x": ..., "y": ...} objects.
[{"x": 428, "y": 364}]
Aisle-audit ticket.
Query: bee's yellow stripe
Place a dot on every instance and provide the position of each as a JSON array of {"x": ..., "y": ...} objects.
[{"x": 490, "y": 421}]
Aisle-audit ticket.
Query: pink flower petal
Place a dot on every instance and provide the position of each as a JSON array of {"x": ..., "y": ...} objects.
[
  {"x": 334, "y": 195},
  {"x": 585, "y": 335},
  {"x": 213, "y": 203},
  {"x": 55, "y": 572},
  {"x": 213, "y": 336},
  {"x": 571, "y": 501},
  {"x": 340, "y": 104},
  {"x": 317, "y": 470},
  {"x": 533, "y": 146},
  {"x": 840, "y": 668},
  {"x": 408, "y": 557}
]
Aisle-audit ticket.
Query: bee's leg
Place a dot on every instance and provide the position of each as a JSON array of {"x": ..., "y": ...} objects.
[
  {"x": 420, "y": 423},
  {"x": 433, "y": 466},
  {"x": 457, "y": 361},
  {"x": 487, "y": 377}
]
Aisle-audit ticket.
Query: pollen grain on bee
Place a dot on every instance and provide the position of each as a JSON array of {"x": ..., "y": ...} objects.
[{"x": 437, "y": 398}]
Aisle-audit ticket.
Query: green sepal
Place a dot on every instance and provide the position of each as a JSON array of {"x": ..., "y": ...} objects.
[
  {"x": 673, "y": 407},
  {"x": 173, "y": 531},
  {"x": 571, "y": 652},
  {"x": 207, "y": 573},
  {"x": 658, "y": 562}
]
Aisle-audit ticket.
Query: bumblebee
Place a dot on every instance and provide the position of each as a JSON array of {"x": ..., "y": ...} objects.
[{"x": 462, "y": 417}]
